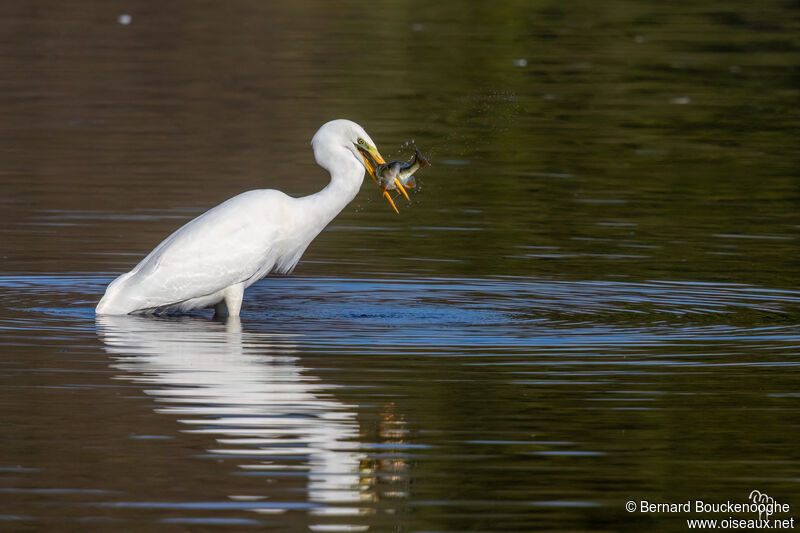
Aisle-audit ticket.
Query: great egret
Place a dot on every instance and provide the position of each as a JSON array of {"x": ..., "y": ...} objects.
[{"x": 212, "y": 259}]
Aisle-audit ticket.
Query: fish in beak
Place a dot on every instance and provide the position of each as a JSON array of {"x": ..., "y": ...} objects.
[
  {"x": 372, "y": 161},
  {"x": 399, "y": 175}
]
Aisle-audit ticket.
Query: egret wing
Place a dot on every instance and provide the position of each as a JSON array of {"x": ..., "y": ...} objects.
[{"x": 231, "y": 243}]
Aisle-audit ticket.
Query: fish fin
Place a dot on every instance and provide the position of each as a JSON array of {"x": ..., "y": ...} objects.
[{"x": 401, "y": 189}]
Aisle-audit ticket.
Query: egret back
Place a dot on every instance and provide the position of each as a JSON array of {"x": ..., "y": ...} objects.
[{"x": 239, "y": 241}]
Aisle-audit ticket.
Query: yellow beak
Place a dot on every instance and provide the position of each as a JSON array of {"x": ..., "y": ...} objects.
[{"x": 372, "y": 158}]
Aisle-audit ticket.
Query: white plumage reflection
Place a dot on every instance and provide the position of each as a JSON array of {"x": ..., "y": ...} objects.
[
  {"x": 248, "y": 391},
  {"x": 212, "y": 259}
]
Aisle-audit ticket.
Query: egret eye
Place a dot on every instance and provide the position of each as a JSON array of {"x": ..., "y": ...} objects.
[{"x": 361, "y": 142}]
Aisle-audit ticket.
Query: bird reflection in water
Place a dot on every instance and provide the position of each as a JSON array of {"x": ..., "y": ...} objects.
[{"x": 249, "y": 391}]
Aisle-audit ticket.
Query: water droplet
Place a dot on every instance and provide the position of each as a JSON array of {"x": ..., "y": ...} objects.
[{"x": 124, "y": 19}]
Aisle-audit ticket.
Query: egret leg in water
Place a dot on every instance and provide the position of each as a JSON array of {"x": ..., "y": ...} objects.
[
  {"x": 231, "y": 302},
  {"x": 212, "y": 259}
]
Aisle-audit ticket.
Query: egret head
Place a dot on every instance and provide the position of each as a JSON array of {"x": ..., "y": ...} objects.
[{"x": 346, "y": 134}]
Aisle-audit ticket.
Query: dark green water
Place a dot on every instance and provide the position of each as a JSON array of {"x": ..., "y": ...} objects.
[{"x": 591, "y": 299}]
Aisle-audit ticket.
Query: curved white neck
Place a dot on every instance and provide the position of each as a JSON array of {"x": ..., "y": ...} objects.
[{"x": 347, "y": 174}]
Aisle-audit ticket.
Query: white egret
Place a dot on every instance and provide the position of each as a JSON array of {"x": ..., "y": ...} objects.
[{"x": 212, "y": 259}]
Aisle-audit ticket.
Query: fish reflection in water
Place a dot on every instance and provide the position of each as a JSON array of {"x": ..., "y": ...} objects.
[{"x": 249, "y": 390}]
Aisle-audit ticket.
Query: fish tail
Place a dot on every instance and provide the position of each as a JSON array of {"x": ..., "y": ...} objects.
[{"x": 420, "y": 158}]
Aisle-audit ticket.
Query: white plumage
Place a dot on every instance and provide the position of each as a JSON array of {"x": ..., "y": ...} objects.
[{"x": 213, "y": 258}]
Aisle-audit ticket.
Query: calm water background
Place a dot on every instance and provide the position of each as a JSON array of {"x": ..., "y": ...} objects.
[{"x": 592, "y": 298}]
